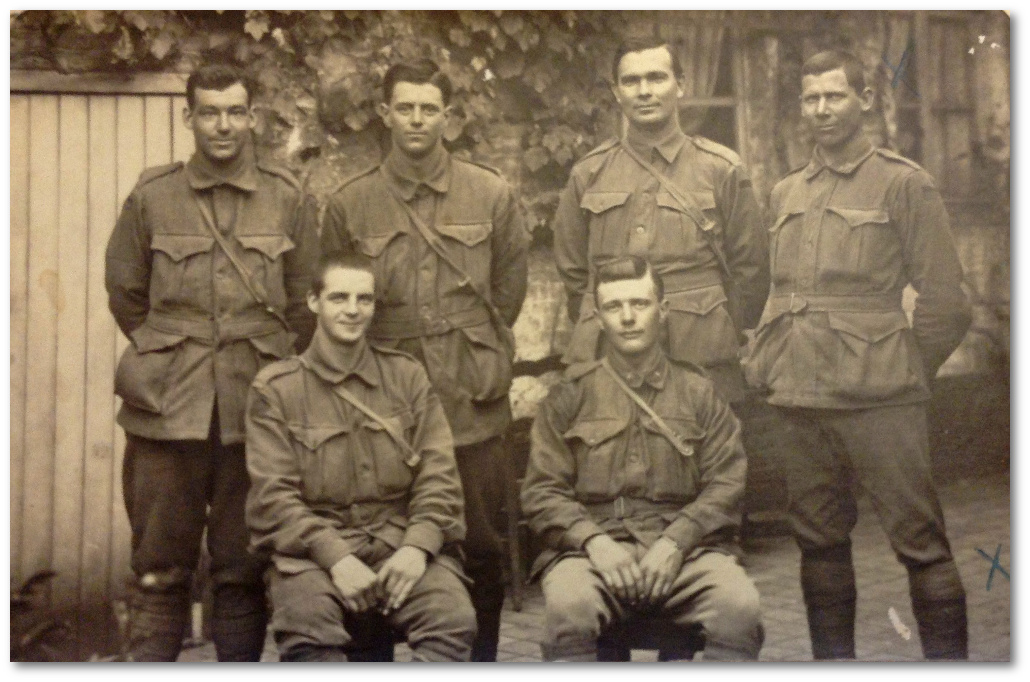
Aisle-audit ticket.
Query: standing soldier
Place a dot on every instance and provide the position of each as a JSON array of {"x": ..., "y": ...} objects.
[
  {"x": 207, "y": 269},
  {"x": 836, "y": 354},
  {"x": 449, "y": 246},
  {"x": 684, "y": 203}
]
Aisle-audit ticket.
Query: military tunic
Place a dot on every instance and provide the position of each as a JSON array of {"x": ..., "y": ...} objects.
[
  {"x": 599, "y": 464},
  {"x": 613, "y": 207}
]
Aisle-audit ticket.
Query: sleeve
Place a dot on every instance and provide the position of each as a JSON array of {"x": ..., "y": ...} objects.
[
  {"x": 436, "y": 512},
  {"x": 508, "y": 259},
  {"x": 942, "y": 313},
  {"x": 746, "y": 245},
  {"x": 128, "y": 266},
  {"x": 548, "y": 491},
  {"x": 279, "y": 519},
  {"x": 723, "y": 471},
  {"x": 298, "y": 269},
  {"x": 334, "y": 234},
  {"x": 571, "y": 244}
]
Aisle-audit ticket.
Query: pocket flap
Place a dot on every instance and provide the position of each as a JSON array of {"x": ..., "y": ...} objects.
[
  {"x": 147, "y": 339},
  {"x": 278, "y": 344},
  {"x": 373, "y": 245},
  {"x": 599, "y": 202},
  {"x": 468, "y": 234},
  {"x": 861, "y": 216},
  {"x": 687, "y": 431},
  {"x": 702, "y": 200},
  {"x": 180, "y": 246},
  {"x": 482, "y": 335},
  {"x": 871, "y": 327},
  {"x": 313, "y": 436},
  {"x": 697, "y": 302},
  {"x": 272, "y": 245},
  {"x": 400, "y": 422},
  {"x": 784, "y": 218},
  {"x": 595, "y": 431}
]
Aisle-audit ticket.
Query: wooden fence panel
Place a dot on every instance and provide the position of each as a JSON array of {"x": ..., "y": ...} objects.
[{"x": 19, "y": 315}]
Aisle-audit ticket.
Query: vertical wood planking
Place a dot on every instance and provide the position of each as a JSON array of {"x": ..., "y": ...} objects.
[
  {"x": 959, "y": 154},
  {"x": 20, "y": 148},
  {"x": 131, "y": 158},
  {"x": 927, "y": 68},
  {"x": 182, "y": 137},
  {"x": 98, "y": 475},
  {"x": 37, "y": 509},
  {"x": 157, "y": 130},
  {"x": 71, "y": 348}
]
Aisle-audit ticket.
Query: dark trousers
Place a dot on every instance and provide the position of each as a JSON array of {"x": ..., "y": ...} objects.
[
  {"x": 173, "y": 490},
  {"x": 886, "y": 451},
  {"x": 480, "y": 466}
]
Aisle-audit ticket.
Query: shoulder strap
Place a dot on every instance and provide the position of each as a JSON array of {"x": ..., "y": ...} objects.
[
  {"x": 666, "y": 430},
  {"x": 244, "y": 273},
  {"x": 434, "y": 243},
  {"x": 412, "y": 458},
  {"x": 689, "y": 207}
]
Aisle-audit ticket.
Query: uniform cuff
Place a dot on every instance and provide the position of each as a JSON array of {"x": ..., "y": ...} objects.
[
  {"x": 684, "y": 532},
  {"x": 581, "y": 531},
  {"x": 328, "y": 552},
  {"x": 425, "y": 536}
]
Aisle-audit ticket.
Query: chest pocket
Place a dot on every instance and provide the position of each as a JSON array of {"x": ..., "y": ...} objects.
[
  {"x": 861, "y": 240},
  {"x": 394, "y": 464},
  {"x": 674, "y": 474},
  {"x": 180, "y": 273},
  {"x": 467, "y": 241},
  {"x": 324, "y": 461},
  {"x": 677, "y": 233},
  {"x": 271, "y": 246},
  {"x": 595, "y": 446},
  {"x": 609, "y": 222}
]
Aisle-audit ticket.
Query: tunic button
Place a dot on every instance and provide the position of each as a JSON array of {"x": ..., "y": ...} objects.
[{"x": 640, "y": 229}]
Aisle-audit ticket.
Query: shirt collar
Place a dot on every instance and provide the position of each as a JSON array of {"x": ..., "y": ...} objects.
[
  {"x": 861, "y": 149},
  {"x": 324, "y": 360},
  {"x": 668, "y": 147},
  {"x": 652, "y": 372},
  {"x": 434, "y": 171},
  {"x": 242, "y": 174}
]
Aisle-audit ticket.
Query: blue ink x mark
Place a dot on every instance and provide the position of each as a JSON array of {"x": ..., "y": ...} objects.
[
  {"x": 995, "y": 565},
  {"x": 898, "y": 71}
]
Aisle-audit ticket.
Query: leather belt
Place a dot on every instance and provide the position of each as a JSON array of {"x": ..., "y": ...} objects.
[
  {"x": 625, "y": 507},
  {"x": 797, "y": 302},
  {"x": 234, "y": 329}
]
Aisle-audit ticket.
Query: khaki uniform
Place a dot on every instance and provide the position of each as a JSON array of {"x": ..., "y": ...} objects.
[
  {"x": 328, "y": 481},
  {"x": 835, "y": 353},
  {"x": 599, "y": 464},
  {"x": 423, "y": 307},
  {"x": 198, "y": 338},
  {"x": 613, "y": 207}
]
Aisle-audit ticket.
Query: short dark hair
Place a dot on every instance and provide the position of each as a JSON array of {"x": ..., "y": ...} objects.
[
  {"x": 831, "y": 60},
  {"x": 350, "y": 260},
  {"x": 417, "y": 71},
  {"x": 640, "y": 44},
  {"x": 627, "y": 267},
  {"x": 218, "y": 76}
]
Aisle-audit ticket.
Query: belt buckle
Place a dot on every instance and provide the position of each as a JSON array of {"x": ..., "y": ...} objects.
[
  {"x": 620, "y": 507},
  {"x": 797, "y": 303}
]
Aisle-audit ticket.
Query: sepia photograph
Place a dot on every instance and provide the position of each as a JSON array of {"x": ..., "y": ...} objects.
[{"x": 510, "y": 336}]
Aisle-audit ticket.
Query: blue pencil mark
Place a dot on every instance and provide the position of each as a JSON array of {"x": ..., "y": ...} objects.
[
  {"x": 899, "y": 70},
  {"x": 995, "y": 565}
]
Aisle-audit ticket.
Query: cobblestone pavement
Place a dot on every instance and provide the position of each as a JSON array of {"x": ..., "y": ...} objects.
[{"x": 977, "y": 512}]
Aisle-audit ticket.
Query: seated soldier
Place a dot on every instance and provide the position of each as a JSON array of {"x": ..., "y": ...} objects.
[
  {"x": 355, "y": 492},
  {"x": 634, "y": 483}
]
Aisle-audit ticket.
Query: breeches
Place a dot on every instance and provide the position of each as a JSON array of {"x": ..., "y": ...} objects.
[{"x": 711, "y": 591}]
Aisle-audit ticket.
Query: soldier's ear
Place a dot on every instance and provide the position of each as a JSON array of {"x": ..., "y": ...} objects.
[
  {"x": 663, "y": 309},
  {"x": 383, "y": 109},
  {"x": 866, "y": 99},
  {"x": 187, "y": 117},
  {"x": 313, "y": 302}
]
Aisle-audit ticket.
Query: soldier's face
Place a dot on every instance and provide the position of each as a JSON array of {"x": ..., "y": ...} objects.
[
  {"x": 631, "y": 315},
  {"x": 416, "y": 117},
  {"x": 345, "y": 305},
  {"x": 647, "y": 89},
  {"x": 832, "y": 108},
  {"x": 221, "y": 121}
]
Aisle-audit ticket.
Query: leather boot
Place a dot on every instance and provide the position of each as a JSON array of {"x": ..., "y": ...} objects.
[
  {"x": 158, "y": 621},
  {"x": 939, "y": 605},
  {"x": 238, "y": 622},
  {"x": 487, "y": 599},
  {"x": 828, "y": 585}
]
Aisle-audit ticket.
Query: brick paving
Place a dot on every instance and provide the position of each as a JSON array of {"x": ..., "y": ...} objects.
[{"x": 977, "y": 513}]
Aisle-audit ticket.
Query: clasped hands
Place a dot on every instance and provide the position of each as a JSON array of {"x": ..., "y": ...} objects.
[
  {"x": 363, "y": 589},
  {"x": 640, "y": 584}
]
